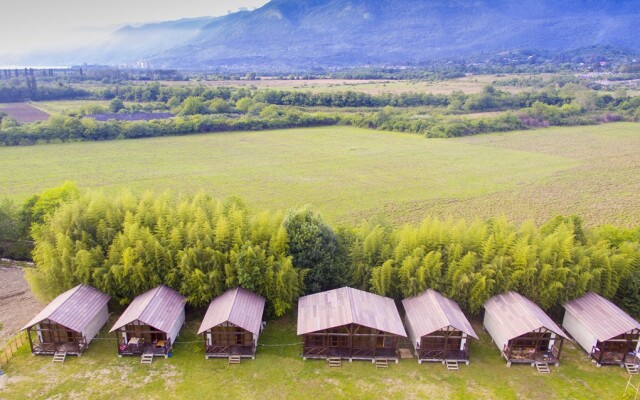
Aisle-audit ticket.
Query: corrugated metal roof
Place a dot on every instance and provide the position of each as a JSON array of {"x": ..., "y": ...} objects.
[
  {"x": 158, "y": 307},
  {"x": 74, "y": 308},
  {"x": 239, "y": 306},
  {"x": 601, "y": 317},
  {"x": 431, "y": 311},
  {"x": 518, "y": 315},
  {"x": 344, "y": 306}
]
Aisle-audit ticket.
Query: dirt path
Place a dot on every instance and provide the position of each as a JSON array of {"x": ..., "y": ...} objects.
[{"x": 17, "y": 303}]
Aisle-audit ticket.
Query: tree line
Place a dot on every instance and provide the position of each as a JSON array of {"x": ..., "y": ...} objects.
[{"x": 201, "y": 246}]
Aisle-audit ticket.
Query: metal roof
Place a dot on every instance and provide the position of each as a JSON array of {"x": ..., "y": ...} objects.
[
  {"x": 431, "y": 311},
  {"x": 601, "y": 317},
  {"x": 74, "y": 309},
  {"x": 518, "y": 315},
  {"x": 238, "y": 306},
  {"x": 345, "y": 306},
  {"x": 158, "y": 307}
]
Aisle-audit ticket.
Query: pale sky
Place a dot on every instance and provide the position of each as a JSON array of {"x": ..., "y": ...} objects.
[{"x": 31, "y": 25}]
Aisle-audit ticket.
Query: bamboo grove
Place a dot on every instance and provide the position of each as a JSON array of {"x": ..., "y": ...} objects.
[{"x": 201, "y": 246}]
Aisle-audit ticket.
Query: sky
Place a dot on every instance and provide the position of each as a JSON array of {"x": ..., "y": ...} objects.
[{"x": 27, "y": 25}]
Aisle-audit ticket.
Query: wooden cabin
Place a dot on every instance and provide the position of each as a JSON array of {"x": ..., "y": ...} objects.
[
  {"x": 151, "y": 323},
  {"x": 522, "y": 331},
  {"x": 608, "y": 334},
  {"x": 232, "y": 324},
  {"x": 438, "y": 328},
  {"x": 349, "y": 324},
  {"x": 69, "y": 323}
]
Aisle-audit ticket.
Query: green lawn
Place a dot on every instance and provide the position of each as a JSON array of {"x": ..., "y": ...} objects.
[
  {"x": 349, "y": 174},
  {"x": 278, "y": 372}
]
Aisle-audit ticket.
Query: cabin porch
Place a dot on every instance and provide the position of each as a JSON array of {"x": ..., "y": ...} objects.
[
  {"x": 352, "y": 342},
  {"x": 443, "y": 355},
  {"x": 349, "y": 353},
  {"x": 443, "y": 345},
  {"x": 531, "y": 355},
  {"x": 137, "y": 343},
  {"x": 226, "y": 351},
  {"x": 48, "y": 338},
  {"x": 50, "y": 348},
  {"x": 619, "y": 350}
]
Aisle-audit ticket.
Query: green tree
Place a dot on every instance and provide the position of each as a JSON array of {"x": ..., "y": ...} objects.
[
  {"x": 313, "y": 246},
  {"x": 116, "y": 105}
]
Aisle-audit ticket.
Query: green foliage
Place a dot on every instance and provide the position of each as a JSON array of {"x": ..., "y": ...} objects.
[
  {"x": 201, "y": 247},
  {"x": 197, "y": 245},
  {"x": 193, "y": 106},
  {"x": 116, "y": 105},
  {"x": 314, "y": 247},
  {"x": 472, "y": 262}
]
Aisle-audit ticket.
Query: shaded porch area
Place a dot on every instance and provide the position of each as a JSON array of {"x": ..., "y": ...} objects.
[
  {"x": 349, "y": 353},
  {"x": 137, "y": 346},
  {"x": 443, "y": 355},
  {"x": 48, "y": 338},
  {"x": 226, "y": 351},
  {"x": 49, "y": 348},
  {"x": 531, "y": 355}
]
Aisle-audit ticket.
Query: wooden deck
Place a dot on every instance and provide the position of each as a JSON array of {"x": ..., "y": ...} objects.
[
  {"x": 226, "y": 351},
  {"x": 442, "y": 355},
  {"x": 613, "y": 357},
  {"x": 349, "y": 354},
  {"x": 525, "y": 356},
  {"x": 144, "y": 348},
  {"x": 49, "y": 349}
]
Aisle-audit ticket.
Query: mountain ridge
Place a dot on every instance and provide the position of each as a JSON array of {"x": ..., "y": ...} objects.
[{"x": 297, "y": 33}]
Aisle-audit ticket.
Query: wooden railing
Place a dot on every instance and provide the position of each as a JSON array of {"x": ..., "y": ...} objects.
[{"x": 11, "y": 348}]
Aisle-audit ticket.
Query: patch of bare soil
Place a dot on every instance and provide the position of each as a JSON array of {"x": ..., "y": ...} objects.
[
  {"x": 17, "y": 303},
  {"x": 24, "y": 113}
]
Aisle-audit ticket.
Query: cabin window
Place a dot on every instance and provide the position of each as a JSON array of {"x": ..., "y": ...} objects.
[
  {"x": 337, "y": 341},
  {"x": 315, "y": 340}
]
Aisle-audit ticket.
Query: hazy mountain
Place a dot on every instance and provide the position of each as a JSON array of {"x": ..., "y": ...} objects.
[{"x": 355, "y": 32}]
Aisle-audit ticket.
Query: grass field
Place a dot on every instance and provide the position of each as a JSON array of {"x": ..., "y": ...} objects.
[
  {"x": 349, "y": 174},
  {"x": 278, "y": 372},
  {"x": 468, "y": 84}
]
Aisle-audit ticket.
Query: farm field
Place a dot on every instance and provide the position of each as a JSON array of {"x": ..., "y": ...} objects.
[
  {"x": 24, "y": 112},
  {"x": 351, "y": 174},
  {"x": 57, "y": 107},
  {"x": 468, "y": 84},
  {"x": 279, "y": 372}
]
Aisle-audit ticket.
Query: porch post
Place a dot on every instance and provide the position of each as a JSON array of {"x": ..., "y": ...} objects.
[
  {"x": 560, "y": 347},
  {"x": 30, "y": 341}
]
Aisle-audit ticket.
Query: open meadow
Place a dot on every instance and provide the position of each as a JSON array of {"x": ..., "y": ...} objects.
[
  {"x": 278, "y": 372},
  {"x": 351, "y": 174},
  {"x": 468, "y": 84}
]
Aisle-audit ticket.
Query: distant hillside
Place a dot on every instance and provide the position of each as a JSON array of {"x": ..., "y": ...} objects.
[{"x": 356, "y": 32}]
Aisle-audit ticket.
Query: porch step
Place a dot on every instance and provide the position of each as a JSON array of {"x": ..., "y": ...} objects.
[
  {"x": 334, "y": 362},
  {"x": 147, "y": 358},
  {"x": 452, "y": 365},
  {"x": 235, "y": 359},
  {"x": 59, "y": 356},
  {"x": 543, "y": 368},
  {"x": 632, "y": 368},
  {"x": 382, "y": 363},
  {"x": 406, "y": 353}
]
